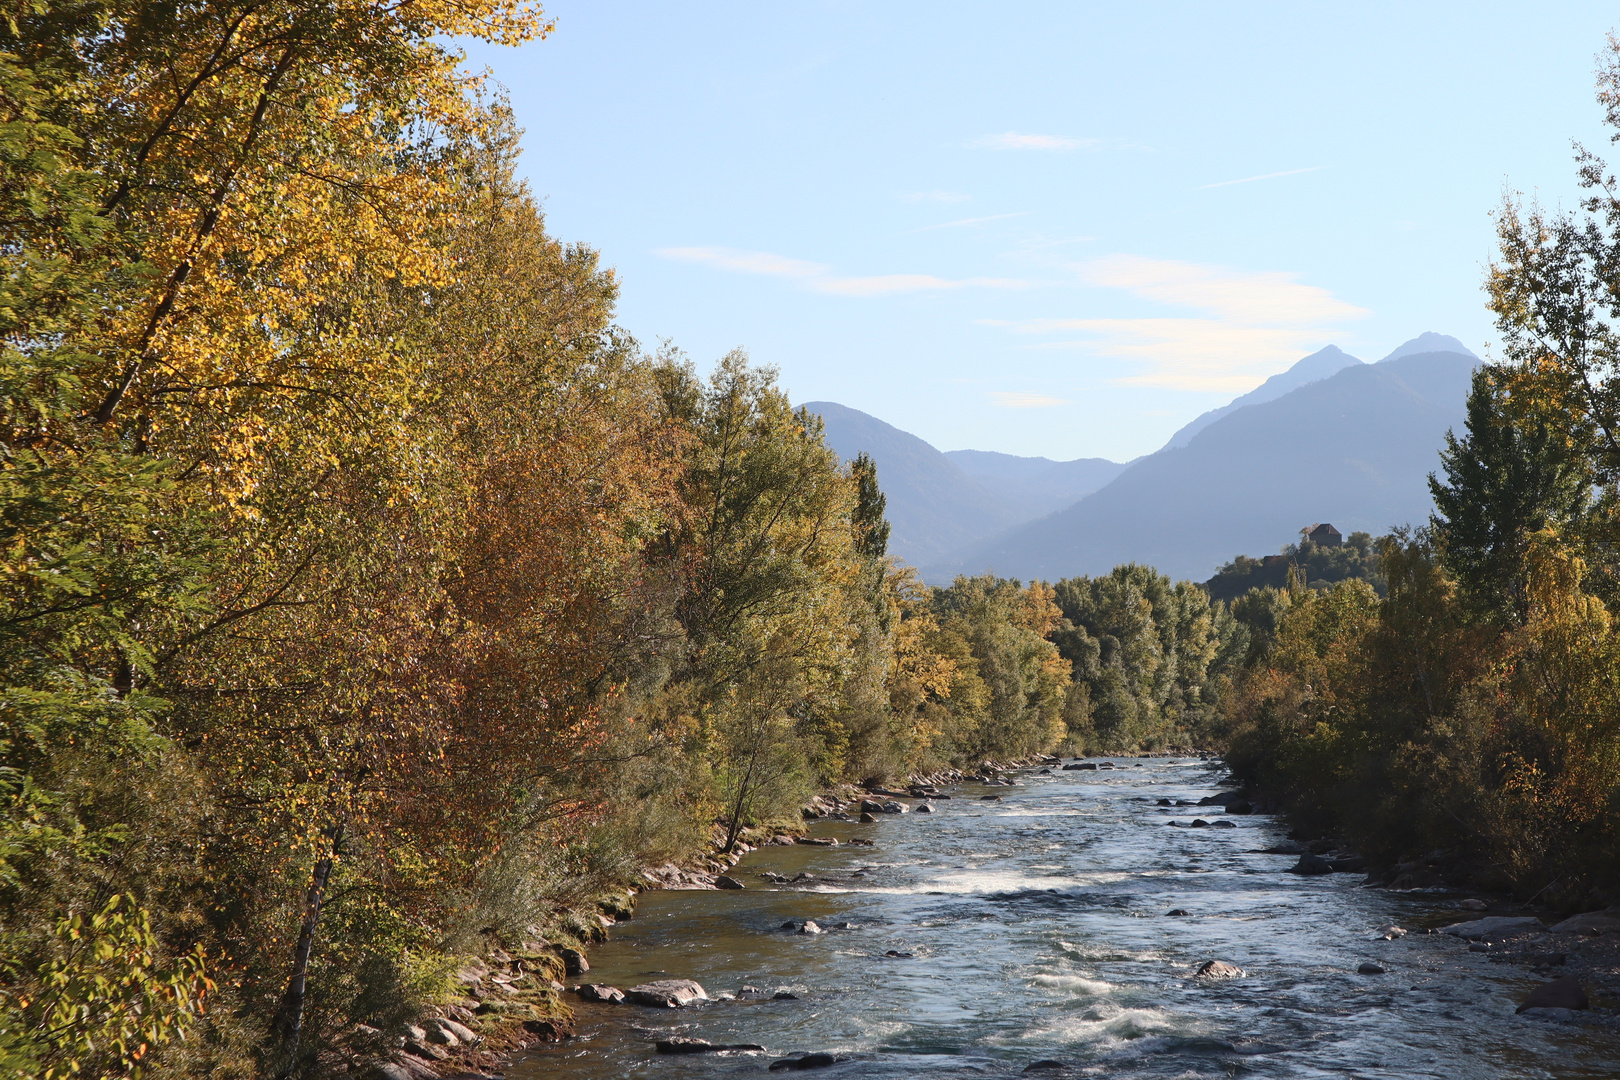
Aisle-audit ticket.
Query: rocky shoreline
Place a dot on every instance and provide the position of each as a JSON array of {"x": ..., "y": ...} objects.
[{"x": 517, "y": 998}]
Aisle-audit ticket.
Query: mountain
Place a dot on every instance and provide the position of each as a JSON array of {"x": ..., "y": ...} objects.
[
  {"x": 1037, "y": 485},
  {"x": 1319, "y": 365},
  {"x": 940, "y": 504},
  {"x": 934, "y": 507},
  {"x": 1354, "y": 449},
  {"x": 1429, "y": 341}
]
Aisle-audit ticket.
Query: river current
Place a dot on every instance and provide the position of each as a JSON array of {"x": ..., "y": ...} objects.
[{"x": 1036, "y": 929}]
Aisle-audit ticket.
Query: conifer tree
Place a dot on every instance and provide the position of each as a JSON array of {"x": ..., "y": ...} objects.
[{"x": 1509, "y": 477}]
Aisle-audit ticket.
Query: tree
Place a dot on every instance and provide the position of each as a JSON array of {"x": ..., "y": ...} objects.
[
  {"x": 870, "y": 524},
  {"x": 1511, "y": 476}
]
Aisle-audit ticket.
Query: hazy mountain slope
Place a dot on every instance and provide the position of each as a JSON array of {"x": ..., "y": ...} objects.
[
  {"x": 1354, "y": 449},
  {"x": 934, "y": 507},
  {"x": 1322, "y": 364},
  {"x": 1037, "y": 485}
]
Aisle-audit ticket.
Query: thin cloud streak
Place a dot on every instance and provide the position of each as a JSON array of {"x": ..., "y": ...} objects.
[
  {"x": 1011, "y": 400},
  {"x": 968, "y": 221},
  {"x": 1012, "y": 140},
  {"x": 1262, "y": 176},
  {"x": 818, "y": 277}
]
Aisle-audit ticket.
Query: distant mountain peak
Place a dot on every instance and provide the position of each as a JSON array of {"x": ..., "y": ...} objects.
[
  {"x": 1429, "y": 342},
  {"x": 1321, "y": 364}
]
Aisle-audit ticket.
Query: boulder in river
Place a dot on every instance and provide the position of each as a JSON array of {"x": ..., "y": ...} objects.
[
  {"x": 925, "y": 808},
  {"x": 1495, "y": 927},
  {"x": 1162, "y": 802},
  {"x": 989, "y": 798},
  {"x": 1242, "y": 806},
  {"x": 1178, "y": 911},
  {"x": 1311, "y": 865},
  {"x": 1472, "y": 905},
  {"x": 574, "y": 962},
  {"x": 1220, "y": 824},
  {"x": 816, "y": 841},
  {"x": 1370, "y": 968},
  {"x": 809, "y": 927},
  {"x": 1199, "y": 823},
  {"x": 803, "y": 1061},
  {"x": 1564, "y": 993},
  {"x": 1389, "y": 933},
  {"x": 895, "y": 807},
  {"x": 1080, "y": 766},
  {"x": 610, "y": 995},
  {"x": 868, "y": 818},
  {"x": 871, "y": 806},
  {"x": 680, "y": 1044},
  {"x": 1218, "y": 969},
  {"x": 726, "y": 881},
  {"x": 1591, "y": 924},
  {"x": 667, "y": 993}
]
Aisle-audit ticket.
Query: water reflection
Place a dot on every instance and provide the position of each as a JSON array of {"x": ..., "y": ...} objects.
[{"x": 1035, "y": 929}]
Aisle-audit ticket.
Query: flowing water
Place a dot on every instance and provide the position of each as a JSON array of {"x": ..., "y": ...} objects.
[{"x": 1036, "y": 929}]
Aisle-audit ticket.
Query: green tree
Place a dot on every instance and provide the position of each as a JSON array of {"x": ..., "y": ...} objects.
[{"x": 1512, "y": 475}]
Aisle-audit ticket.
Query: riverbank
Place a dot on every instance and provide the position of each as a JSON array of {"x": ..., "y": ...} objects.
[
  {"x": 1061, "y": 919},
  {"x": 515, "y": 997}
]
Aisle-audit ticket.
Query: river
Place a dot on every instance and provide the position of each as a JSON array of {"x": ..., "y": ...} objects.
[{"x": 1037, "y": 930}]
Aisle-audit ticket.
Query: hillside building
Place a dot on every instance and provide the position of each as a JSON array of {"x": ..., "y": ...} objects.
[{"x": 1323, "y": 535}]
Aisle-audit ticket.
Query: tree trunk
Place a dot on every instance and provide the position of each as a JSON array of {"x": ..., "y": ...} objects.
[{"x": 289, "y": 1024}]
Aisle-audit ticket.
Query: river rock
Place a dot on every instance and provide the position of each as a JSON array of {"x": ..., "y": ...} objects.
[
  {"x": 809, "y": 927},
  {"x": 1495, "y": 926},
  {"x": 803, "y": 1061},
  {"x": 1222, "y": 798},
  {"x": 1178, "y": 911},
  {"x": 1048, "y": 1065},
  {"x": 1311, "y": 865},
  {"x": 896, "y": 808},
  {"x": 574, "y": 962},
  {"x": 1591, "y": 924},
  {"x": 1389, "y": 933},
  {"x": 1162, "y": 802},
  {"x": 1219, "y": 824},
  {"x": 871, "y": 806},
  {"x": 1242, "y": 806},
  {"x": 1199, "y": 823},
  {"x": 1081, "y": 766},
  {"x": 867, "y": 818},
  {"x": 1285, "y": 847},
  {"x": 608, "y": 995},
  {"x": 925, "y": 808},
  {"x": 816, "y": 841},
  {"x": 1370, "y": 968},
  {"x": 667, "y": 993},
  {"x": 1564, "y": 993},
  {"x": 725, "y": 881},
  {"x": 1218, "y": 969},
  {"x": 989, "y": 798},
  {"x": 784, "y": 995},
  {"x": 680, "y": 1044},
  {"x": 442, "y": 1029},
  {"x": 1472, "y": 905}
]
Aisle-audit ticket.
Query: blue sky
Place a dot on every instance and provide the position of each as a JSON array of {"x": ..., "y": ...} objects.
[{"x": 1044, "y": 228}]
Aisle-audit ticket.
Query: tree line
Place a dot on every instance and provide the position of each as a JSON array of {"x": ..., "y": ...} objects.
[
  {"x": 1464, "y": 716},
  {"x": 368, "y": 598}
]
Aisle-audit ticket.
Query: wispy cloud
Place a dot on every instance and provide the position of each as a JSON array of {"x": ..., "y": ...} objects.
[
  {"x": 1013, "y": 140},
  {"x": 1262, "y": 176},
  {"x": 820, "y": 278},
  {"x": 1234, "y": 295},
  {"x": 1011, "y": 400},
  {"x": 746, "y": 262},
  {"x": 946, "y": 197},
  {"x": 970, "y": 221},
  {"x": 1251, "y": 324}
]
